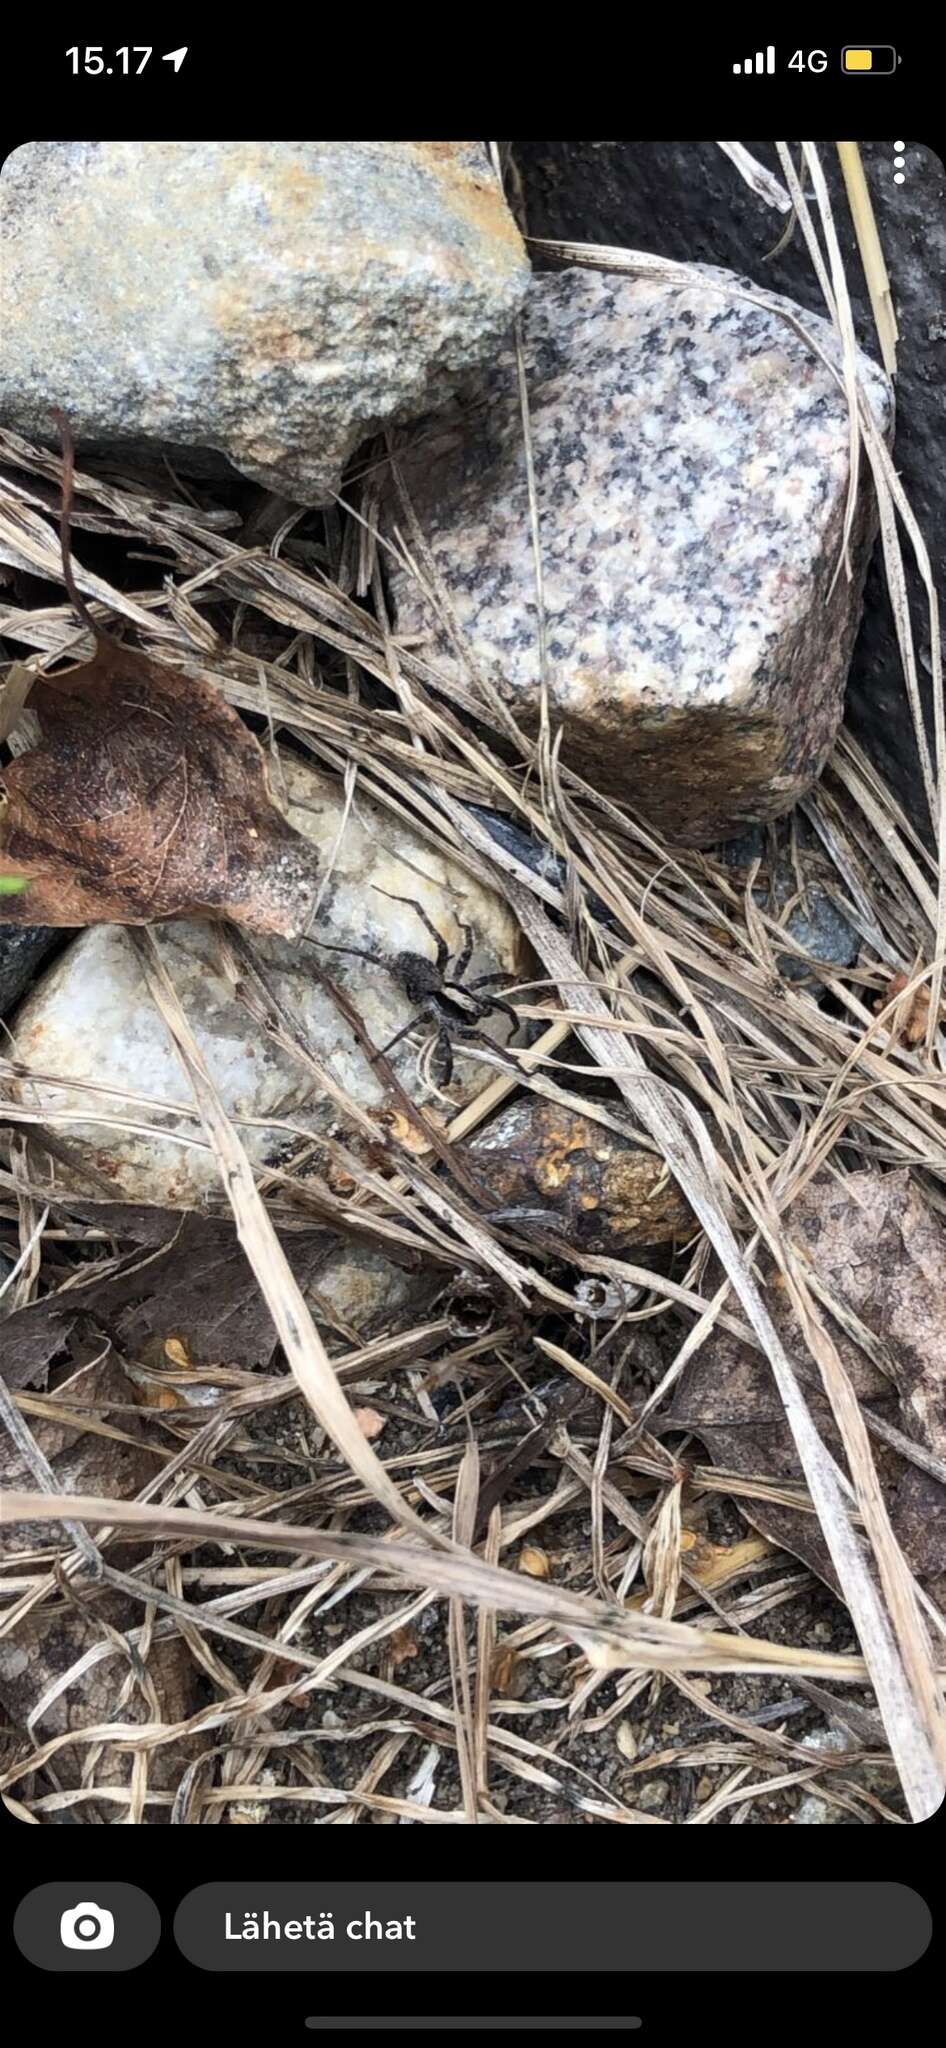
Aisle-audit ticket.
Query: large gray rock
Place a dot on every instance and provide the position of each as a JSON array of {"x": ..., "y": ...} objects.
[
  {"x": 686, "y": 200},
  {"x": 273, "y": 301},
  {"x": 691, "y": 459}
]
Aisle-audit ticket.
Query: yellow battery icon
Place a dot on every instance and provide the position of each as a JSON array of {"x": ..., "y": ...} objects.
[{"x": 869, "y": 60}]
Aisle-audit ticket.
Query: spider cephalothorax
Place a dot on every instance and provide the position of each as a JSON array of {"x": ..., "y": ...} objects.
[{"x": 437, "y": 988}]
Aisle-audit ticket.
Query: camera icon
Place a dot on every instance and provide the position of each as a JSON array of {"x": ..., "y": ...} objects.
[{"x": 87, "y": 1926}]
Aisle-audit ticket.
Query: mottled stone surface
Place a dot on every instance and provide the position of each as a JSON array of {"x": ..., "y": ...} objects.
[
  {"x": 813, "y": 1811},
  {"x": 584, "y": 1184},
  {"x": 22, "y": 950},
  {"x": 586, "y": 1187},
  {"x": 362, "y": 1290},
  {"x": 822, "y": 929},
  {"x": 272, "y": 301},
  {"x": 686, "y": 200},
  {"x": 814, "y": 920},
  {"x": 691, "y": 458},
  {"x": 91, "y": 1019}
]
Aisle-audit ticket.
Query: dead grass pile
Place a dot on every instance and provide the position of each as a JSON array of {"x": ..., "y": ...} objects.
[{"x": 661, "y": 1001}]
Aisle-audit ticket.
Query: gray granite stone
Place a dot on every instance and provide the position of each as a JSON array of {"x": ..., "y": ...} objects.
[
  {"x": 271, "y": 301},
  {"x": 686, "y": 200},
  {"x": 824, "y": 932},
  {"x": 691, "y": 459}
]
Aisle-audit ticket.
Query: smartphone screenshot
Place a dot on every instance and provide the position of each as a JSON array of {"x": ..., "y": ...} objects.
[{"x": 473, "y": 1050}]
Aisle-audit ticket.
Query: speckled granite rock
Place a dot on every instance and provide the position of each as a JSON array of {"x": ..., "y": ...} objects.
[
  {"x": 91, "y": 1020},
  {"x": 822, "y": 929},
  {"x": 272, "y": 301},
  {"x": 687, "y": 201},
  {"x": 691, "y": 457}
]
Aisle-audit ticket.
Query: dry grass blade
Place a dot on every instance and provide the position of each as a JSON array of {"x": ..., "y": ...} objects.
[
  {"x": 14, "y": 697},
  {"x": 464, "y": 1523},
  {"x": 759, "y": 180},
  {"x": 609, "y": 1640},
  {"x": 300, "y": 1340},
  {"x": 872, "y": 255},
  {"x": 898, "y": 1658}
]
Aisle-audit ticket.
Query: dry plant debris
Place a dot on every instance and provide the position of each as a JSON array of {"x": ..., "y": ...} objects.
[
  {"x": 911, "y": 1016},
  {"x": 146, "y": 798},
  {"x": 360, "y": 1639},
  {"x": 878, "y": 1254}
]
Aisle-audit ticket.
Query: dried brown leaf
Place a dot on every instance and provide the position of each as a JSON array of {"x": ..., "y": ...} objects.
[
  {"x": 84, "y": 1443},
  {"x": 147, "y": 798},
  {"x": 880, "y": 1252},
  {"x": 194, "y": 1287},
  {"x": 202, "y": 1291},
  {"x": 910, "y": 1019},
  {"x": 508, "y": 1673},
  {"x": 32, "y": 1337}
]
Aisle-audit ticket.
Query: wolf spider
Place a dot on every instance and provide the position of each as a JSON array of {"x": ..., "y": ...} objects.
[{"x": 456, "y": 1007}]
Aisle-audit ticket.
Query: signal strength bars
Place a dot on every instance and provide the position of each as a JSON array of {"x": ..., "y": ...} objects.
[{"x": 764, "y": 60}]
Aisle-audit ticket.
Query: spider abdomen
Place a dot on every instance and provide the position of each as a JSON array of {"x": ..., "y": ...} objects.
[{"x": 419, "y": 976}]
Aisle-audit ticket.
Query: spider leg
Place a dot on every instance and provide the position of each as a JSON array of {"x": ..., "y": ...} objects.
[
  {"x": 478, "y": 1006},
  {"x": 500, "y": 980},
  {"x": 465, "y": 954},
  {"x": 356, "y": 952},
  {"x": 381, "y": 1052},
  {"x": 505, "y": 1010},
  {"x": 443, "y": 950},
  {"x": 486, "y": 1004},
  {"x": 470, "y": 1034},
  {"x": 443, "y": 1054},
  {"x": 489, "y": 1002}
]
